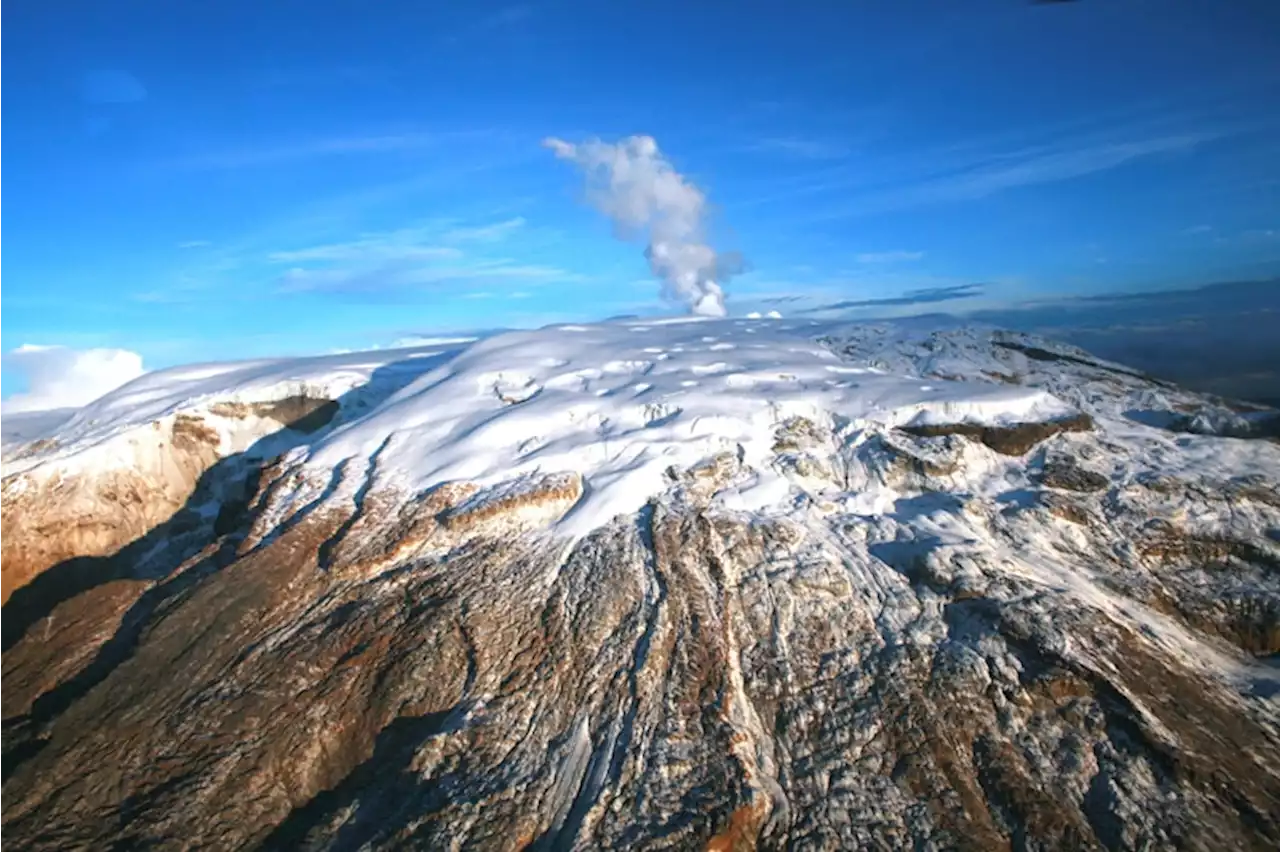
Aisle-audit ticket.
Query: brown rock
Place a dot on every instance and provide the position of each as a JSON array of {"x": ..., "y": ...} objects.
[{"x": 1012, "y": 440}]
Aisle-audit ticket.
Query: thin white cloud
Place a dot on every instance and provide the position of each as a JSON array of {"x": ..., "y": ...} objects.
[
  {"x": 899, "y": 178},
  {"x": 420, "y": 243},
  {"x": 191, "y": 244},
  {"x": 399, "y": 279},
  {"x": 58, "y": 377},
  {"x": 1028, "y": 167},
  {"x": 233, "y": 268},
  {"x": 364, "y": 250},
  {"x": 800, "y": 148},
  {"x": 889, "y": 256},
  {"x": 484, "y": 233},
  {"x": 324, "y": 147},
  {"x": 1251, "y": 237}
]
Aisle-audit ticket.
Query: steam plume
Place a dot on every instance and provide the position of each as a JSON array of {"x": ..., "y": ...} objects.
[{"x": 634, "y": 185}]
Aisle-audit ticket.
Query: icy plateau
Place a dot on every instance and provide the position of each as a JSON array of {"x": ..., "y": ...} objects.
[{"x": 667, "y": 584}]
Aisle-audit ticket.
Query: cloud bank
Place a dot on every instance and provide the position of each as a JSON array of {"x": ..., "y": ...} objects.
[
  {"x": 58, "y": 377},
  {"x": 632, "y": 183}
]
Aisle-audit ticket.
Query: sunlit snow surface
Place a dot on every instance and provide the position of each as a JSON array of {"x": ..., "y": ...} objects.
[
  {"x": 619, "y": 403},
  {"x": 104, "y": 424}
]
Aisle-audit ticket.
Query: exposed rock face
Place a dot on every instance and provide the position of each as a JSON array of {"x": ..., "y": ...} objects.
[
  {"x": 1080, "y": 656},
  {"x": 1066, "y": 473},
  {"x": 50, "y": 519},
  {"x": 1011, "y": 440},
  {"x": 54, "y": 514}
]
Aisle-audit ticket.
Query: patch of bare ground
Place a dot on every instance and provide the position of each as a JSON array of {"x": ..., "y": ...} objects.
[
  {"x": 64, "y": 642},
  {"x": 1066, "y": 474},
  {"x": 1258, "y": 491},
  {"x": 35, "y": 448},
  {"x": 1217, "y": 586},
  {"x": 49, "y": 520},
  {"x": 932, "y": 456},
  {"x": 300, "y": 413},
  {"x": 1013, "y": 440},
  {"x": 1168, "y": 543},
  {"x": 555, "y": 492},
  {"x": 1035, "y": 353},
  {"x": 192, "y": 433},
  {"x": 1068, "y": 508}
]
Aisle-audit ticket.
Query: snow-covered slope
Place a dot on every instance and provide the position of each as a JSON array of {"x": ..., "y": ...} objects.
[
  {"x": 682, "y": 582},
  {"x": 619, "y": 404},
  {"x": 203, "y": 388},
  {"x": 675, "y": 387},
  {"x": 88, "y": 482}
]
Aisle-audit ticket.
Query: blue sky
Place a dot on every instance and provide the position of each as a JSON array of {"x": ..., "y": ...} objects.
[{"x": 194, "y": 181}]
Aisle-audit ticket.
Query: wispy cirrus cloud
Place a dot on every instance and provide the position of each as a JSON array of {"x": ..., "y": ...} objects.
[
  {"x": 889, "y": 256},
  {"x": 894, "y": 175},
  {"x": 323, "y": 147},
  {"x": 1031, "y": 166},
  {"x": 1254, "y": 237},
  {"x": 796, "y": 147},
  {"x": 432, "y": 241},
  {"x": 245, "y": 267},
  {"x": 431, "y": 257},
  {"x": 1051, "y": 164},
  {"x": 485, "y": 233},
  {"x": 407, "y": 244},
  {"x": 400, "y": 279}
]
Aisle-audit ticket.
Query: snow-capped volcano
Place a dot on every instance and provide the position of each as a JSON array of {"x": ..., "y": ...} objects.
[
  {"x": 619, "y": 405},
  {"x": 616, "y": 404},
  {"x": 717, "y": 582}
]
